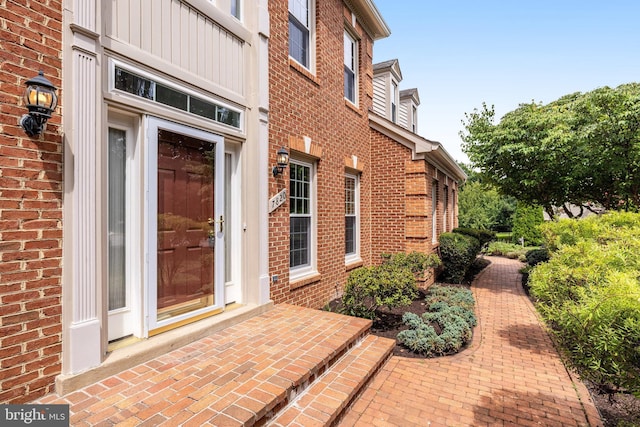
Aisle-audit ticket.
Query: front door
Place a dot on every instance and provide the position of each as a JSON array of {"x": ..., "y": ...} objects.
[{"x": 186, "y": 224}]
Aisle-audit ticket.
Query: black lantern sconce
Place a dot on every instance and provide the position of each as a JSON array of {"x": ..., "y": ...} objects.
[
  {"x": 41, "y": 99},
  {"x": 282, "y": 160}
]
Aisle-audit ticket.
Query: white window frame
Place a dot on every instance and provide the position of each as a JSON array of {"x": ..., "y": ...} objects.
[
  {"x": 434, "y": 211},
  {"x": 133, "y": 218},
  {"x": 351, "y": 49},
  {"x": 311, "y": 267},
  {"x": 445, "y": 207},
  {"x": 237, "y": 4},
  {"x": 311, "y": 28},
  {"x": 394, "y": 101},
  {"x": 354, "y": 256}
]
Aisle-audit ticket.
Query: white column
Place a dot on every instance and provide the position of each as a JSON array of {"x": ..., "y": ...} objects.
[
  {"x": 263, "y": 109},
  {"x": 82, "y": 343}
]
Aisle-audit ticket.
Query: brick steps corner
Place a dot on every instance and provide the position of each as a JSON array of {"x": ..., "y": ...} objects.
[{"x": 326, "y": 399}]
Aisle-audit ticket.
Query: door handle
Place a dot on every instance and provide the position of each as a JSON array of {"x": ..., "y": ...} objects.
[{"x": 220, "y": 221}]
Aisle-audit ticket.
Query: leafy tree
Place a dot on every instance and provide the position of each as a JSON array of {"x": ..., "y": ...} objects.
[
  {"x": 579, "y": 149},
  {"x": 482, "y": 207}
]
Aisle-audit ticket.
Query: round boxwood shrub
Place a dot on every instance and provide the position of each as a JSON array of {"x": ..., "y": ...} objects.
[
  {"x": 369, "y": 288},
  {"x": 457, "y": 251}
]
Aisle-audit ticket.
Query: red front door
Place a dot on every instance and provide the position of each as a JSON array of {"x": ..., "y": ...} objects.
[{"x": 189, "y": 225}]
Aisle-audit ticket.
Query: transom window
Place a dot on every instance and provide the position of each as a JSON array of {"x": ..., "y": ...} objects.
[
  {"x": 350, "y": 67},
  {"x": 300, "y": 31},
  {"x": 153, "y": 90}
]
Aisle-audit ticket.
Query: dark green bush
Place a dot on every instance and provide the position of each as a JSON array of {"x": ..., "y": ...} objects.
[
  {"x": 458, "y": 251},
  {"x": 369, "y": 288},
  {"x": 450, "y": 312},
  {"x": 526, "y": 223},
  {"x": 536, "y": 256},
  {"x": 483, "y": 236}
]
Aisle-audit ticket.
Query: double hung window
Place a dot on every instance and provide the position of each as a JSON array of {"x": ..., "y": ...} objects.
[
  {"x": 352, "y": 223},
  {"x": 300, "y": 31},
  {"x": 350, "y": 67},
  {"x": 301, "y": 228}
]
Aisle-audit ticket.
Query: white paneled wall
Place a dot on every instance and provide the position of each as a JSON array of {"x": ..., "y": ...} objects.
[{"x": 181, "y": 35}]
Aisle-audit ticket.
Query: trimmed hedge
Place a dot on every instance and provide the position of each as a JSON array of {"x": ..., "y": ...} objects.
[
  {"x": 457, "y": 251},
  {"x": 368, "y": 288},
  {"x": 483, "y": 236}
]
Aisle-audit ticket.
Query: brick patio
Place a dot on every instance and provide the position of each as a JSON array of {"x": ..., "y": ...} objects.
[
  {"x": 300, "y": 367},
  {"x": 510, "y": 376}
]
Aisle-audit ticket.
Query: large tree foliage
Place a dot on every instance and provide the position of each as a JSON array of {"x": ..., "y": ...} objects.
[
  {"x": 581, "y": 149},
  {"x": 482, "y": 207}
]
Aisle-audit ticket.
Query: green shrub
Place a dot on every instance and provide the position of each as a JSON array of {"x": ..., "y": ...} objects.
[
  {"x": 369, "y": 288},
  {"x": 417, "y": 262},
  {"x": 508, "y": 250},
  {"x": 457, "y": 251},
  {"x": 536, "y": 256},
  {"x": 526, "y": 223},
  {"x": 589, "y": 292},
  {"x": 483, "y": 236},
  {"x": 452, "y": 295},
  {"x": 451, "y": 311}
]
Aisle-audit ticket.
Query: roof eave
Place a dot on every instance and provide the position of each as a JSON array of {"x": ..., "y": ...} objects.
[{"x": 370, "y": 17}]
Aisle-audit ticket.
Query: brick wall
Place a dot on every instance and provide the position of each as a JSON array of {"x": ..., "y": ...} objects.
[
  {"x": 30, "y": 206},
  {"x": 313, "y": 105},
  {"x": 388, "y": 219}
]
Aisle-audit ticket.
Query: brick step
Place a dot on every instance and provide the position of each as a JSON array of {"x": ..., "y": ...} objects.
[
  {"x": 243, "y": 375},
  {"x": 325, "y": 400}
]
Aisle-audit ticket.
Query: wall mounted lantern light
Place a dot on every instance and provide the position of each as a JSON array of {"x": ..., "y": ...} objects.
[
  {"x": 40, "y": 98},
  {"x": 282, "y": 160}
]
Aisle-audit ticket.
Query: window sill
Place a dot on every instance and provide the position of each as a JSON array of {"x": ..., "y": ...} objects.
[
  {"x": 353, "y": 107},
  {"x": 300, "y": 282},
  {"x": 352, "y": 264},
  {"x": 304, "y": 71}
]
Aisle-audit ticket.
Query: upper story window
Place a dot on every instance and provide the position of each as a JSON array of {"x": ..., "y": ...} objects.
[
  {"x": 235, "y": 8},
  {"x": 414, "y": 119},
  {"x": 300, "y": 31},
  {"x": 350, "y": 67},
  {"x": 394, "y": 101}
]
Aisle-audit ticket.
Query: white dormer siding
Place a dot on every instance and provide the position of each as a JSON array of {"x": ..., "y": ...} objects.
[
  {"x": 386, "y": 99},
  {"x": 379, "y": 95},
  {"x": 409, "y": 101}
]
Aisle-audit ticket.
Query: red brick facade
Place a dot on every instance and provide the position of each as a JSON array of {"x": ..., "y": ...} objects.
[
  {"x": 395, "y": 191},
  {"x": 313, "y": 105},
  {"x": 30, "y": 207}
]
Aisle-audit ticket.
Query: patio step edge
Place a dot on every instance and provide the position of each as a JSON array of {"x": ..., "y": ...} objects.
[{"x": 324, "y": 401}]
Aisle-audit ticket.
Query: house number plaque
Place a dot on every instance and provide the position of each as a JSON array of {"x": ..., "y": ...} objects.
[{"x": 276, "y": 201}]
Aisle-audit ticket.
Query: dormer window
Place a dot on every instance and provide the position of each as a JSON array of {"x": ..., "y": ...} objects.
[
  {"x": 394, "y": 101},
  {"x": 414, "y": 119},
  {"x": 350, "y": 67}
]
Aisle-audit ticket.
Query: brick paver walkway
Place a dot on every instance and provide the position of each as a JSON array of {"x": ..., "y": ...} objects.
[{"x": 511, "y": 375}]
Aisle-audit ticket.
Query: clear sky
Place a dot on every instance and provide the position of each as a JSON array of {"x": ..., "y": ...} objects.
[{"x": 461, "y": 53}]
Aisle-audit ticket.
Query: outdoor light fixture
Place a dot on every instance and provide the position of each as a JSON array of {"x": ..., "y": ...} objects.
[
  {"x": 282, "y": 160},
  {"x": 40, "y": 98}
]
